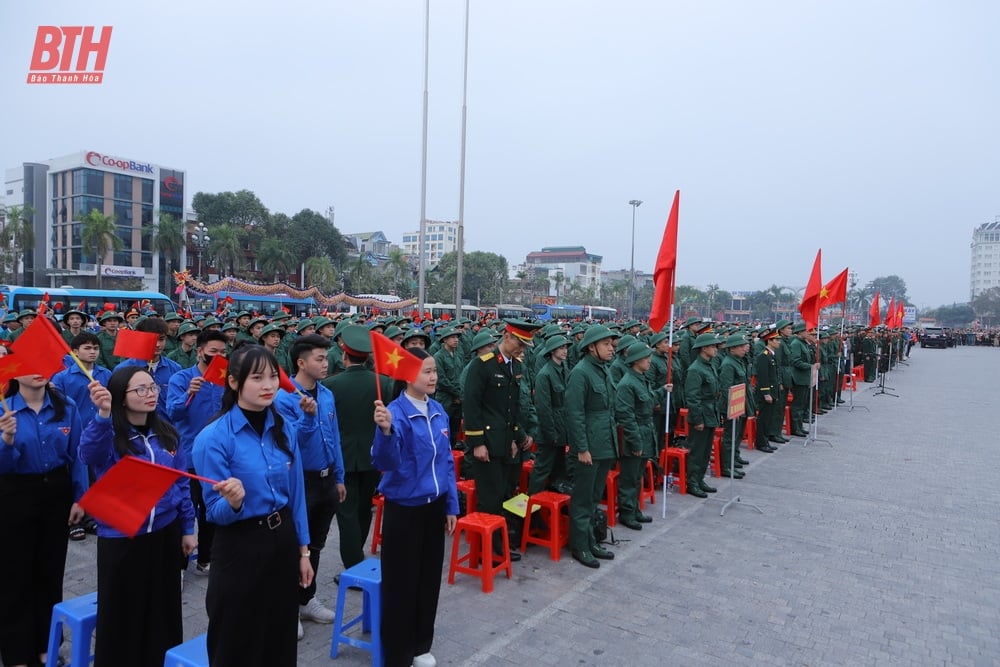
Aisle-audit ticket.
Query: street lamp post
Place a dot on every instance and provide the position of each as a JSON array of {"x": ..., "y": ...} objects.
[
  {"x": 634, "y": 203},
  {"x": 201, "y": 239}
]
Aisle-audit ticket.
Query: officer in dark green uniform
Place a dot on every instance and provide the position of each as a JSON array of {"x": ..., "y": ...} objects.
[
  {"x": 354, "y": 393},
  {"x": 491, "y": 409},
  {"x": 634, "y": 401},
  {"x": 449, "y": 370},
  {"x": 769, "y": 391},
  {"x": 701, "y": 392},
  {"x": 593, "y": 437},
  {"x": 550, "y": 390}
]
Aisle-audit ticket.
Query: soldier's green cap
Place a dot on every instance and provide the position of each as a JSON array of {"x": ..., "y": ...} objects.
[
  {"x": 259, "y": 318},
  {"x": 10, "y": 317},
  {"x": 782, "y": 324},
  {"x": 523, "y": 330},
  {"x": 209, "y": 321},
  {"x": 320, "y": 321},
  {"x": 228, "y": 326},
  {"x": 553, "y": 343},
  {"x": 446, "y": 331},
  {"x": 169, "y": 318},
  {"x": 482, "y": 339},
  {"x": 243, "y": 313},
  {"x": 596, "y": 333},
  {"x": 86, "y": 317},
  {"x": 551, "y": 330},
  {"x": 704, "y": 340},
  {"x": 343, "y": 324},
  {"x": 631, "y": 323},
  {"x": 691, "y": 320},
  {"x": 280, "y": 316},
  {"x": 188, "y": 327},
  {"x": 624, "y": 342},
  {"x": 392, "y": 331},
  {"x": 798, "y": 327},
  {"x": 271, "y": 328},
  {"x": 656, "y": 339},
  {"x": 109, "y": 315},
  {"x": 376, "y": 325},
  {"x": 578, "y": 329},
  {"x": 27, "y": 312},
  {"x": 354, "y": 338},
  {"x": 303, "y": 324},
  {"x": 735, "y": 341},
  {"x": 636, "y": 352},
  {"x": 417, "y": 332}
]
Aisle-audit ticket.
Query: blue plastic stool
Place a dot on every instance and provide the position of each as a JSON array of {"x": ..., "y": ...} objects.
[
  {"x": 366, "y": 575},
  {"x": 80, "y": 614},
  {"x": 192, "y": 653}
]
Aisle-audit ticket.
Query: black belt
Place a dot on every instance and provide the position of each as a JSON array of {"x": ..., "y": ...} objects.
[
  {"x": 270, "y": 521},
  {"x": 325, "y": 472}
]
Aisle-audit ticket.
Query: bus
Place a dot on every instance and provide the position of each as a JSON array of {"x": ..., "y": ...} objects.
[
  {"x": 507, "y": 310},
  {"x": 267, "y": 304},
  {"x": 564, "y": 312},
  {"x": 62, "y": 299},
  {"x": 600, "y": 313},
  {"x": 437, "y": 311}
]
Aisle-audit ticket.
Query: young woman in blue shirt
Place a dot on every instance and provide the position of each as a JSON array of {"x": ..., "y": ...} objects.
[
  {"x": 138, "y": 585},
  {"x": 260, "y": 554},
  {"x": 413, "y": 449}
]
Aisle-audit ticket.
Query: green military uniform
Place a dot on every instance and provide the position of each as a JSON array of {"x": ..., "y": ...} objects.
[
  {"x": 550, "y": 390},
  {"x": 449, "y": 390},
  {"x": 733, "y": 372},
  {"x": 802, "y": 357},
  {"x": 769, "y": 386},
  {"x": 701, "y": 392},
  {"x": 590, "y": 423},
  {"x": 634, "y": 401}
]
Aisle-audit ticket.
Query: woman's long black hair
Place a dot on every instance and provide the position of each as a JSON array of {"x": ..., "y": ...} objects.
[
  {"x": 55, "y": 397},
  {"x": 249, "y": 358},
  {"x": 164, "y": 432},
  {"x": 399, "y": 386}
]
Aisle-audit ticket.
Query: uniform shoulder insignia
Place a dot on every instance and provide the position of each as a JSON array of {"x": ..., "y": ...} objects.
[{"x": 486, "y": 357}]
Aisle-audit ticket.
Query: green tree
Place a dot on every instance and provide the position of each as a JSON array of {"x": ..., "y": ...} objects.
[
  {"x": 986, "y": 306},
  {"x": 310, "y": 233},
  {"x": 99, "y": 234},
  {"x": 321, "y": 272},
  {"x": 167, "y": 238},
  {"x": 20, "y": 231},
  {"x": 226, "y": 248},
  {"x": 240, "y": 209},
  {"x": 360, "y": 276},
  {"x": 398, "y": 268},
  {"x": 275, "y": 258},
  {"x": 889, "y": 286},
  {"x": 484, "y": 278}
]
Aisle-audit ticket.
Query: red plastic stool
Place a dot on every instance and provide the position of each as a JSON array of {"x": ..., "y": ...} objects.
[
  {"x": 750, "y": 432},
  {"x": 478, "y": 528},
  {"x": 681, "y": 427},
  {"x": 379, "y": 502},
  {"x": 716, "y": 461},
  {"x": 647, "y": 490},
  {"x": 610, "y": 500},
  {"x": 679, "y": 454},
  {"x": 788, "y": 420},
  {"x": 458, "y": 456},
  {"x": 557, "y": 534},
  {"x": 859, "y": 373},
  {"x": 848, "y": 383},
  {"x": 526, "y": 468},
  {"x": 468, "y": 487}
]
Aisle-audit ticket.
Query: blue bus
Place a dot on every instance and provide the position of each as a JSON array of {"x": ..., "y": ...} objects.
[
  {"x": 565, "y": 312},
  {"x": 267, "y": 304},
  {"x": 62, "y": 299}
]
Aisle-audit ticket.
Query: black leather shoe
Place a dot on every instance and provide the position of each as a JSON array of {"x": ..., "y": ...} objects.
[
  {"x": 586, "y": 558},
  {"x": 707, "y": 489},
  {"x": 696, "y": 491},
  {"x": 780, "y": 439},
  {"x": 630, "y": 523},
  {"x": 742, "y": 461},
  {"x": 767, "y": 449},
  {"x": 841, "y": 401},
  {"x": 643, "y": 518},
  {"x": 800, "y": 434},
  {"x": 602, "y": 553},
  {"x": 737, "y": 464},
  {"x": 735, "y": 474}
]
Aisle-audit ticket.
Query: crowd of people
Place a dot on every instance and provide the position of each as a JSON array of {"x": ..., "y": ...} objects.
[{"x": 579, "y": 398}]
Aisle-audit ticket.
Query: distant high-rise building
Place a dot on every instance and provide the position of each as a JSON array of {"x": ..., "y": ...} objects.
[
  {"x": 441, "y": 238},
  {"x": 569, "y": 266},
  {"x": 984, "y": 269}
]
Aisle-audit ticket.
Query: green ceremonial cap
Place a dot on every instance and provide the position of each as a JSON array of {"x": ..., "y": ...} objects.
[
  {"x": 736, "y": 340},
  {"x": 188, "y": 327},
  {"x": 482, "y": 339},
  {"x": 595, "y": 333},
  {"x": 417, "y": 332},
  {"x": 356, "y": 340},
  {"x": 553, "y": 343},
  {"x": 523, "y": 330},
  {"x": 270, "y": 328},
  {"x": 637, "y": 351},
  {"x": 656, "y": 339},
  {"x": 169, "y": 318},
  {"x": 109, "y": 315},
  {"x": 704, "y": 340}
]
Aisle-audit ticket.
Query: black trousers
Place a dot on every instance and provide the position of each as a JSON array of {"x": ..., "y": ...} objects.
[
  {"x": 412, "y": 558},
  {"x": 139, "y": 588},
  {"x": 206, "y": 530},
  {"x": 354, "y": 515},
  {"x": 322, "y": 501},
  {"x": 33, "y": 560},
  {"x": 252, "y": 597}
]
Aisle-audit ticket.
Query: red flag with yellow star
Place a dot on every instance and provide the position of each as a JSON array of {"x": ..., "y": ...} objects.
[
  {"x": 392, "y": 360},
  {"x": 217, "y": 370},
  {"x": 835, "y": 291},
  {"x": 809, "y": 308},
  {"x": 875, "y": 313}
]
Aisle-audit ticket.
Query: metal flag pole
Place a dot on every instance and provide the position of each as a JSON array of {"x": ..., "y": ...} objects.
[
  {"x": 811, "y": 438},
  {"x": 881, "y": 391},
  {"x": 736, "y": 498},
  {"x": 666, "y": 416}
]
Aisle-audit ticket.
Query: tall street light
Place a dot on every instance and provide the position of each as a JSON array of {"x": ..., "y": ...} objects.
[
  {"x": 634, "y": 203},
  {"x": 201, "y": 239}
]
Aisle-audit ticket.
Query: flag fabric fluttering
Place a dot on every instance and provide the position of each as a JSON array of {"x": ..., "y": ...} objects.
[
  {"x": 135, "y": 344},
  {"x": 890, "y": 314},
  {"x": 874, "y": 312},
  {"x": 286, "y": 383},
  {"x": 125, "y": 495},
  {"x": 41, "y": 348},
  {"x": 809, "y": 308},
  {"x": 900, "y": 314},
  {"x": 665, "y": 271},
  {"x": 217, "y": 371},
  {"x": 835, "y": 291},
  {"x": 392, "y": 360}
]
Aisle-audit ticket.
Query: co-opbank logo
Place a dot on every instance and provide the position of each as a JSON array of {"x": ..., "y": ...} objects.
[{"x": 62, "y": 54}]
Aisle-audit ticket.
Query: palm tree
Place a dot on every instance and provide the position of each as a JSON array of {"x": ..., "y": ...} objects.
[
  {"x": 167, "y": 238},
  {"x": 21, "y": 232},
  {"x": 99, "y": 234},
  {"x": 398, "y": 266},
  {"x": 360, "y": 274},
  {"x": 275, "y": 257},
  {"x": 559, "y": 279},
  {"x": 226, "y": 247}
]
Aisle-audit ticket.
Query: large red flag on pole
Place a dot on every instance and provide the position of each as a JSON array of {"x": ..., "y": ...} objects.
[
  {"x": 890, "y": 314},
  {"x": 900, "y": 314},
  {"x": 875, "y": 313},
  {"x": 664, "y": 273},
  {"x": 835, "y": 291},
  {"x": 809, "y": 308}
]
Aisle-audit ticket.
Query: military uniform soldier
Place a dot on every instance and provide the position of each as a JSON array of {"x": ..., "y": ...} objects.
[
  {"x": 733, "y": 372},
  {"x": 593, "y": 439},
  {"x": 550, "y": 390},
  {"x": 701, "y": 391},
  {"x": 449, "y": 368},
  {"x": 491, "y": 409},
  {"x": 803, "y": 361},
  {"x": 770, "y": 393},
  {"x": 110, "y": 321}
]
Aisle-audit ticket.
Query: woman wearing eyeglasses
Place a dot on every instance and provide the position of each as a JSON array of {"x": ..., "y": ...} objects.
[{"x": 139, "y": 615}]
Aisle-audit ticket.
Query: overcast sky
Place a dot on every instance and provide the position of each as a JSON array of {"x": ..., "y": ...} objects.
[{"x": 867, "y": 128}]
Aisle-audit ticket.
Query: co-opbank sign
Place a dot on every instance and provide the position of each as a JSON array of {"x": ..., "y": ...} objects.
[
  {"x": 62, "y": 54},
  {"x": 96, "y": 159}
]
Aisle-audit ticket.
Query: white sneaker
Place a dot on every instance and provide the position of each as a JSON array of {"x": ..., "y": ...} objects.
[
  {"x": 314, "y": 611},
  {"x": 301, "y": 633},
  {"x": 425, "y": 660}
]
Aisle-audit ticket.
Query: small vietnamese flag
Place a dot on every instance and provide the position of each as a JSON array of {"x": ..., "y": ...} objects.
[
  {"x": 41, "y": 348},
  {"x": 125, "y": 495},
  {"x": 135, "y": 344},
  {"x": 392, "y": 360},
  {"x": 217, "y": 371}
]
